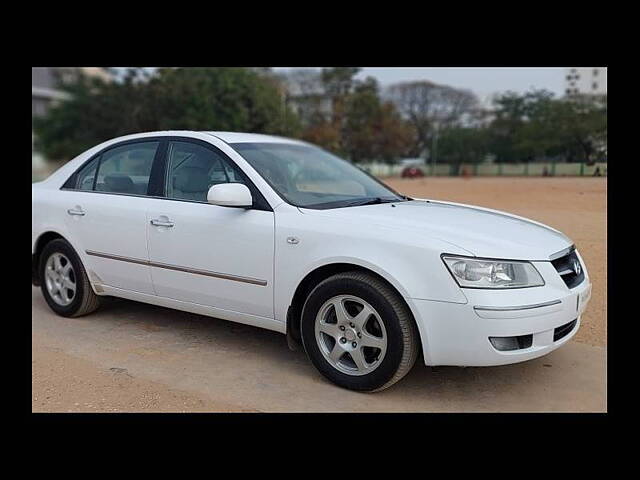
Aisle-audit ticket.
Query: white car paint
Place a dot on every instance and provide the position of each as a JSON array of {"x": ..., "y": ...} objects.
[
  {"x": 276, "y": 250},
  {"x": 218, "y": 239}
]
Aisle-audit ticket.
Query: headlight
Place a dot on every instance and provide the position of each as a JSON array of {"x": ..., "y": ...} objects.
[{"x": 485, "y": 273}]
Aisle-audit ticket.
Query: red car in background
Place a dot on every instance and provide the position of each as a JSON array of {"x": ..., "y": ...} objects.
[{"x": 412, "y": 172}]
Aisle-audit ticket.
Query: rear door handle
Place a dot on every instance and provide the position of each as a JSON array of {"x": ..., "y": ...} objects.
[
  {"x": 76, "y": 211},
  {"x": 161, "y": 223}
]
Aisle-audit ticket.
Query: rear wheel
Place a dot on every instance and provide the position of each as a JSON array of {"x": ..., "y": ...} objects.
[
  {"x": 64, "y": 281},
  {"x": 358, "y": 332}
]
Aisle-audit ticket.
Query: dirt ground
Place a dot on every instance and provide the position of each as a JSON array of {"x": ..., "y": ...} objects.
[
  {"x": 65, "y": 383},
  {"x": 131, "y": 357}
]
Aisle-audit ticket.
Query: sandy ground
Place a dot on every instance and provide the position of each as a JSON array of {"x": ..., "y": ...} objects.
[
  {"x": 65, "y": 383},
  {"x": 131, "y": 357}
]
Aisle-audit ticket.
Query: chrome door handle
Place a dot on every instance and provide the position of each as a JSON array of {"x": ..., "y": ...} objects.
[
  {"x": 73, "y": 211},
  {"x": 161, "y": 223}
]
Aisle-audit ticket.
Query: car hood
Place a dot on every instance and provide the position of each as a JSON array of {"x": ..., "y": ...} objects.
[{"x": 480, "y": 231}]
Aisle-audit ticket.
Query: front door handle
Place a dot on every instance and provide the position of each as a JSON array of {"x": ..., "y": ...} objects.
[
  {"x": 161, "y": 223},
  {"x": 76, "y": 211}
]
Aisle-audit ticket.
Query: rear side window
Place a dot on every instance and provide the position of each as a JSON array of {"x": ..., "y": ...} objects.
[
  {"x": 126, "y": 169},
  {"x": 85, "y": 178}
]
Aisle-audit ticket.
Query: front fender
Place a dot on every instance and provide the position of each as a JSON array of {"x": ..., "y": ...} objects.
[{"x": 412, "y": 265}]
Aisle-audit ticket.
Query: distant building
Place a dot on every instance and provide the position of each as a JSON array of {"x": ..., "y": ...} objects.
[
  {"x": 585, "y": 81},
  {"x": 45, "y": 83},
  {"x": 45, "y": 91},
  {"x": 306, "y": 106},
  {"x": 305, "y": 95}
]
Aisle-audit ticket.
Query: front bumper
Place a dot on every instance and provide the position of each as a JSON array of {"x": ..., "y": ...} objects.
[{"x": 459, "y": 333}]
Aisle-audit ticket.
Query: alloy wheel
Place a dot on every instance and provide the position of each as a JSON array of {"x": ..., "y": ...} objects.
[
  {"x": 60, "y": 279},
  {"x": 351, "y": 335}
]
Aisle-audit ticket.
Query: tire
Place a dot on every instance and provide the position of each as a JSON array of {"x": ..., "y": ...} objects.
[
  {"x": 84, "y": 300},
  {"x": 395, "y": 332}
]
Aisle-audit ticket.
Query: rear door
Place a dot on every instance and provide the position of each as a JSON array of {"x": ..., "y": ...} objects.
[{"x": 106, "y": 202}]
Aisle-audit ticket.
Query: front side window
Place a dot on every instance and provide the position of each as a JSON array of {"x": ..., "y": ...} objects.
[
  {"x": 309, "y": 177},
  {"x": 193, "y": 169},
  {"x": 126, "y": 169}
]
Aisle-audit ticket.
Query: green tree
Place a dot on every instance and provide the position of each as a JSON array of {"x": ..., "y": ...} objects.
[
  {"x": 169, "y": 99},
  {"x": 96, "y": 111},
  {"x": 373, "y": 130},
  {"x": 537, "y": 126},
  {"x": 581, "y": 125},
  {"x": 506, "y": 130},
  {"x": 463, "y": 145},
  {"x": 235, "y": 99},
  {"x": 338, "y": 84},
  {"x": 362, "y": 110}
]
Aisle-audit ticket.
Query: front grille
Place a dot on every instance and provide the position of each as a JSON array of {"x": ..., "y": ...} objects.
[
  {"x": 563, "y": 330},
  {"x": 570, "y": 269}
]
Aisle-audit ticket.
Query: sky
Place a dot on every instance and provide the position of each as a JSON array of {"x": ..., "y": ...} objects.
[{"x": 483, "y": 81}]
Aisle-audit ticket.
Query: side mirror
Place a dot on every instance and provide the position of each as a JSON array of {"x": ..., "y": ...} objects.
[{"x": 230, "y": 195}]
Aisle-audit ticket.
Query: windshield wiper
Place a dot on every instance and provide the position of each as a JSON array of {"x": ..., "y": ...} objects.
[{"x": 371, "y": 201}]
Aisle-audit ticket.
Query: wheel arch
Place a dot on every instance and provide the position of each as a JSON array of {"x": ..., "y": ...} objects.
[
  {"x": 38, "y": 246},
  {"x": 322, "y": 272},
  {"x": 43, "y": 239}
]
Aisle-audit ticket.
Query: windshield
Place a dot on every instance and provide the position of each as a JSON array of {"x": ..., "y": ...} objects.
[{"x": 309, "y": 177}]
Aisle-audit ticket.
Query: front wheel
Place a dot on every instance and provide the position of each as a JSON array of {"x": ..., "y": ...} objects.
[{"x": 358, "y": 332}]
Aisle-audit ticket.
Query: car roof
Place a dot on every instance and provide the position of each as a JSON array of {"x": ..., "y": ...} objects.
[
  {"x": 228, "y": 137},
  {"x": 241, "y": 137}
]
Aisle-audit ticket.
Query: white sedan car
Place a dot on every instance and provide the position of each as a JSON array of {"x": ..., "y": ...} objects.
[{"x": 280, "y": 234}]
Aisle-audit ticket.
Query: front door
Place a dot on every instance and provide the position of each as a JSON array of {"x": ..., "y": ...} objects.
[{"x": 208, "y": 254}]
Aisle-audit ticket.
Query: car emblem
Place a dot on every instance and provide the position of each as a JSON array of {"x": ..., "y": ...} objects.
[{"x": 576, "y": 267}]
